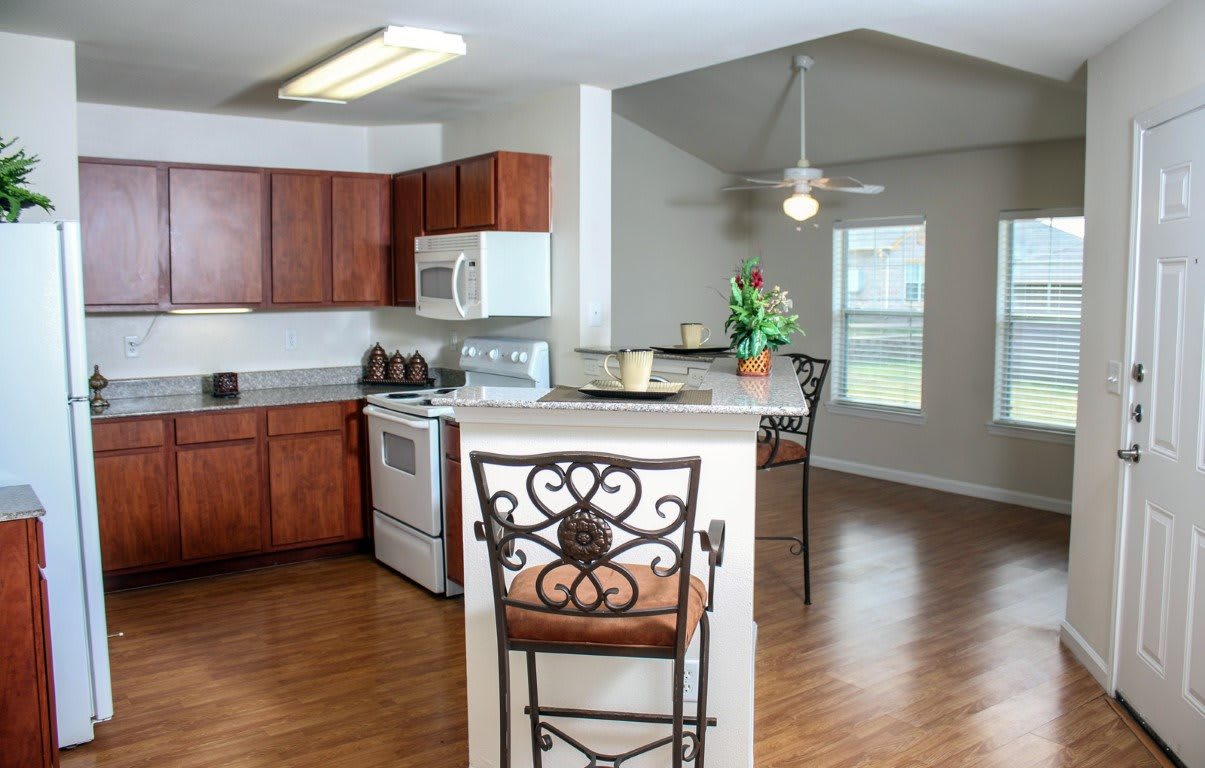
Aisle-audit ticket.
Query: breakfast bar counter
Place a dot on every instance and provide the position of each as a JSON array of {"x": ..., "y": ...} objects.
[{"x": 723, "y": 435}]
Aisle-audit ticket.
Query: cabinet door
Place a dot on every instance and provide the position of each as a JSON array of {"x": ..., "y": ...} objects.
[
  {"x": 407, "y": 225},
  {"x": 453, "y": 521},
  {"x": 475, "y": 194},
  {"x": 301, "y": 238},
  {"x": 132, "y": 503},
  {"x": 26, "y": 730},
  {"x": 123, "y": 228},
  {"x": 440, "y": 193},
  {"x": 305, "y": 474},
  {"x": 217, "y": 236},
  {"x": 219, "y": 499},
  {"x": 360, "y": 239}
]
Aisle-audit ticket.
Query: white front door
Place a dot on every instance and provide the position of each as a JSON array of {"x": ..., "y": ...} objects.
[{"x": 1161, "y": 659}]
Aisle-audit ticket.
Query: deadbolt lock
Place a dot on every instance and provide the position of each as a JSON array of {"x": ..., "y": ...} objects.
[{"x": 1138, "y": 372}]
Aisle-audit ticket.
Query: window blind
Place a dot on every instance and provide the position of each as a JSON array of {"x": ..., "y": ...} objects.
[
  {"x": 1039, "y": 292},
  {"x": 879, "y": 312}
]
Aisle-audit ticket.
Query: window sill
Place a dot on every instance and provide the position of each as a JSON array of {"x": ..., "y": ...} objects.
[
  {"x": 898, "y": 415},
  {"x": 1058, "y": 436}
]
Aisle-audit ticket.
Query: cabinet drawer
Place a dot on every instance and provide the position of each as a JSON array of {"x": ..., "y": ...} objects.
[
  {"x": 325, "y": 417},
  {"x": 212, "y": 428},
  {"x": 110, "y": 436},
  {"x": 451, "y": 440}
]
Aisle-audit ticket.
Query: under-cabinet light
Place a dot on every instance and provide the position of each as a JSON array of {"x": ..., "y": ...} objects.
[
  {"x": 381, "y": 59},
  {"x": 211, "y": 311}
]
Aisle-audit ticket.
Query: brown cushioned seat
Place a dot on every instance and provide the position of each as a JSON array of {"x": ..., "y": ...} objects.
[
  {"x": 788, "y": 451},
  {"x": 574, "y": 626}
]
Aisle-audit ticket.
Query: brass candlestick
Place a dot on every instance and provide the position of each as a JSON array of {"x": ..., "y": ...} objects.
[{"x": 97, "y": 382}]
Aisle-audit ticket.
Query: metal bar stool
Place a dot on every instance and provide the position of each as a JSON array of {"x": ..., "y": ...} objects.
[
  {"x": 582, "y": 563},
  {"x": 773, "y": 450}
]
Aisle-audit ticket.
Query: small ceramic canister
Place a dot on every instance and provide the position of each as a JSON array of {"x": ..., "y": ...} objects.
[
  {"x": 416, "y": 369},
  {"x": 397, "y": 367}
]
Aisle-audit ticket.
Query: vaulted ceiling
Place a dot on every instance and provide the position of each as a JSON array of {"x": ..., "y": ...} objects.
[{"x": 869, "y": 95}]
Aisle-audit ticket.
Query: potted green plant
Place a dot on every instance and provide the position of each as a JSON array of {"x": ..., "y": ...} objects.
[
  {"x": 15, "y": 195},
  {"x": 758, "y": 320}
]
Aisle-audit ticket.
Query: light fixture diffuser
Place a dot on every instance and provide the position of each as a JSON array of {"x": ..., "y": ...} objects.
[
  {"x": 211, "y": 311},
  {"x": 381, "y": 59},
  {"x": 800, "y": 206}
]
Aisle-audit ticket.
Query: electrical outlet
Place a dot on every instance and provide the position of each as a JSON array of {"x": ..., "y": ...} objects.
[
  {"x": 594, "y": 314},
  {"x": 690, "y": 688},
  {"x": 290, "y": 339},
  {"x": 131, "y": 346}
]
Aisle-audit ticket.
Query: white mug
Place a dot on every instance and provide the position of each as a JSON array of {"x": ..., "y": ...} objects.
[
  {"x": 695, "y": 335},
  {"x": 635, "y": 368}
]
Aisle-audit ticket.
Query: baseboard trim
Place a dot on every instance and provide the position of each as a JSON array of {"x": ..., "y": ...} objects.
[
  {"x": 991, "y": 493},
  {"x": 1084, "y": 654}
]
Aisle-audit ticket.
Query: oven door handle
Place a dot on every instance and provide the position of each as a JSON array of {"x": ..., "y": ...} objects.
[
  {"x": 381, "y": 413},
  {"x": 456, "y": 284}
]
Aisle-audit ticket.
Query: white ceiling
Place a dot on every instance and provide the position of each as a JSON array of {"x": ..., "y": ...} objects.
[
  {"x": 229, "y": 56},
  {"x": 869, "y": 95}
]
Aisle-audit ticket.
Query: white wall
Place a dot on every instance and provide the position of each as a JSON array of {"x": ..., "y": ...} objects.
[
  {"x": 676, "y": 238},
  {"x": 961, "y": 194},
  {"x": 572, "y": 124},
  {"x": 1156, "y": 61},
  {"x": 38, "y": 107},
  {"x": 201, "y": 344}
]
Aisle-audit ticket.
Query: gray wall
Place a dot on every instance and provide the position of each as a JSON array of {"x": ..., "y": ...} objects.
[
  {"x": 675, "y": 238},
  {"x": 961, "y": 195},
  {"x": 1158, "y": 60}
]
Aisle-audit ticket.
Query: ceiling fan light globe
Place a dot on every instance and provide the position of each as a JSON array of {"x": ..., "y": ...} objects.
[{"x": 800, "y": 206}]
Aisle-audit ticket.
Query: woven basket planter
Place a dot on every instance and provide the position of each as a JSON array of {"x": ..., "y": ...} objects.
[{"x": 754, "y": 366}]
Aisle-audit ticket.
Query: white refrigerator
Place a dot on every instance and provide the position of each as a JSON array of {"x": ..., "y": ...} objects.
[{"x": 46, "y": 442}]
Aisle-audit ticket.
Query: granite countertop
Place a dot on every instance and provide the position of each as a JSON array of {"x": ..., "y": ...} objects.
[
  {"x": 255, "y": 398},
  {"x": 259, "y": 389},
  {"x": 18, "y": 502},
  {"x": 694, "y": 358},
  {"x": 776, "y": 395}
]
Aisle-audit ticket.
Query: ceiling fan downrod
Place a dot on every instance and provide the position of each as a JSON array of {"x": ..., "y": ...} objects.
[{"x": 801, "y": 63}]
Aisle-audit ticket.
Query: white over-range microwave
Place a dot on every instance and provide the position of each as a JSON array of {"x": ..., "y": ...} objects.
[{"x": 483, "y": 274}]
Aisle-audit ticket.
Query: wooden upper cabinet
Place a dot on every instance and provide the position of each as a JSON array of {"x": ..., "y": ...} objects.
[
  {"x": 524, "y": 196},
  {"x": 360, "y": 239},
  {"x": 123, "y": 226},
  {"x": 407, "y": 225},
  {"x": 440, "y": 194},
  {"x": 475, "y": 194},
  {"x": 217, "y": 236},
  {"x": 301, "y": 238}
]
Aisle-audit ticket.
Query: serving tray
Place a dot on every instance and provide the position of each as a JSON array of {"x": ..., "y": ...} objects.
[{"x": 658, "y": 390}]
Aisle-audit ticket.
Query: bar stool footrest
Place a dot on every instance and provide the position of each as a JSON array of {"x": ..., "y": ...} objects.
[{"x": 620, "y": 717}]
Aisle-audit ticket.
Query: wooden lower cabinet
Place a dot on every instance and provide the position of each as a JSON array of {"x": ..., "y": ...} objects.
[
  {"x": 220, "y": 501},
  {"x": 306, "y": 476},
  {"x": 136, "y": 526},
  {"x": 177, "y": 492},
  {"x": 28, "y": 738}
]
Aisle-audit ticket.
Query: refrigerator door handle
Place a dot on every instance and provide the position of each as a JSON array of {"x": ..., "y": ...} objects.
[{"x": 78, "y": 399}]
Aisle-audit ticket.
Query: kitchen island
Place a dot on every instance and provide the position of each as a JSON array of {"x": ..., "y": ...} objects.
[{"x": 723, "y": 434}]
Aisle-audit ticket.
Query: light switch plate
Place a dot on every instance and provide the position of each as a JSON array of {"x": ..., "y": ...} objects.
[
  {"x": 594, "y": 314},
  {"x": 1113, "y": 377}
]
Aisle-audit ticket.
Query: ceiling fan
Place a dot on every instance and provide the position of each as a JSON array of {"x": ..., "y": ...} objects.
[{"x": 803, "y": 178}]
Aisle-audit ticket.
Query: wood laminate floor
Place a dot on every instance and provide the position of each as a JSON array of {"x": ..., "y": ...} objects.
[{"x": 933, "y": 641}]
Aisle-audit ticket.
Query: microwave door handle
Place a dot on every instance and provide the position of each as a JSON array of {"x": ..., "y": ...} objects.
[{"x": 456, "y": 284}]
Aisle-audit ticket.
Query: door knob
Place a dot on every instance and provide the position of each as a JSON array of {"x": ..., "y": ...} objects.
[
  {"x": 1138, "y": 372},
  {"x": 1133, "y": 454}
]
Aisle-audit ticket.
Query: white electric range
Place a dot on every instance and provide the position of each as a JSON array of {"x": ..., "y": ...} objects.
[{"x": 406, "y": 458}]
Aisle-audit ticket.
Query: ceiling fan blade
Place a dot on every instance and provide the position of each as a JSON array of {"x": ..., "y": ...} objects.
[
  {"x": 753, "y": 186},
  {"x": 847, "y": 184},
  {"x": 769, "y": 182}
]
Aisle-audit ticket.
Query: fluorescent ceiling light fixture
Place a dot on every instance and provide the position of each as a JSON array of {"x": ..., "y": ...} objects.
[
  {"x": 381, "y": 59},
  {"x": 211, "y": 311}
]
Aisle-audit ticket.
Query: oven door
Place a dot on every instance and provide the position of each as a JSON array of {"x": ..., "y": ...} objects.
[
  {"x": 403, "y": 456},
  {"x": 448, "y": 285}
]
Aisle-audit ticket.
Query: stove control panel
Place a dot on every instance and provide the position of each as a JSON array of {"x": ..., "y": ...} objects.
[{"x": 525, "y": 359}]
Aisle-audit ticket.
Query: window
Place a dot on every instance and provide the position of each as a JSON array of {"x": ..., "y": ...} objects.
[
  {"x": 1039, "y": 289},
  {"x": 879, "y": 313}
]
